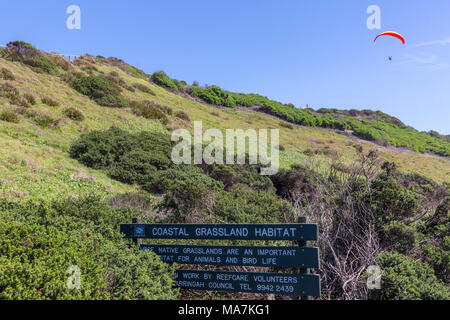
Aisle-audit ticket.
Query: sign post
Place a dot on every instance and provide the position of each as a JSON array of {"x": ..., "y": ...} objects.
[
  {"x": 137, "y": 241},
  {"x": 300, "y": 256},
  {"x": 302, "y": 244}
]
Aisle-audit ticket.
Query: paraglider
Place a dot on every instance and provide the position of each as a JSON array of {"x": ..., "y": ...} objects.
[{"x": 392, "y": 34}]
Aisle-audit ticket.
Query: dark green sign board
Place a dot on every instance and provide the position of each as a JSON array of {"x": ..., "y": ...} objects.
[
  {"x": 301, "y": 256},
  {"x": 290, "y": 232},
  {"x": 256, "y": 282},
  {"x": 281, "y": 257}
]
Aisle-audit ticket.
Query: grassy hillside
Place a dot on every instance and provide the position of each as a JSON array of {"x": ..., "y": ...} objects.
[
  {"x": 85, "y": 145},
  {"x": 366, "y": 124},
  {"x": 35, "y": 151}
]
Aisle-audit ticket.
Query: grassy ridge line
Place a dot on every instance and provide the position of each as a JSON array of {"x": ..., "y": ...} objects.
[{"x": 383, "y": 129}]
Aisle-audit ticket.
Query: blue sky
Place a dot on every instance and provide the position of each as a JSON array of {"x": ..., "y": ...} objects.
[{"x": 313, "y": 52}]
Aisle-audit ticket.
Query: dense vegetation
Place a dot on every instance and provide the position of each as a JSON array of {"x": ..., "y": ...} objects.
[
  {"x": 408, "y": 214},
  {"x": 40, "y": 241},
  {"x": 144, "y": 159}
]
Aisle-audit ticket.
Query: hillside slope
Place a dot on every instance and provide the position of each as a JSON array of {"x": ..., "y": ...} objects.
[{"x": 34, "y": 151}]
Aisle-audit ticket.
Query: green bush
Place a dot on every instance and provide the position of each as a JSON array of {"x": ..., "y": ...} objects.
[
  {"x": 231, "y": 175},
  {"x": 41, "y": 119},
  {"x": 34, "y": 261},
  {"x": 438, "y": 225},
  {"x": 161, "y": 79},
  {"x": 100, "y": 149},
  {"x": 101, "y": 90},
  {"x": 9, "y": 116},
  {"x": 390, "y": 200},
  {"x": 187, "y": 190},
  {"x": 41, "y": 64},
  {"x": 10, "y": 92},
  {"x": 73, "y": 114},
  {"x": 437, "y": 255},
  {"x": 149, "y": 110},
  {"x": 400, "y": 237},
  {"x": 143, "y": 88},
  {"x": 95, "y": 87},
  {"x": 30, "y": 98},
  {"x": 135, "y": 166},
  {"x": 406, "y": 279},
  {"x": 113, "y": 101},
  {"x": 244, "y": 205},
  {"x": 50, "y": 101},
  {"x": 42, "y": 239},
  {"x": 182, "y": 115},
  {"x": 5, "y": 74},
  {"x": 23, "y": 44}
]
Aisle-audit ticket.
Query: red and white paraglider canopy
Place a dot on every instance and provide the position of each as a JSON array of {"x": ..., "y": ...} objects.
[{"x": 392, "y": 34}]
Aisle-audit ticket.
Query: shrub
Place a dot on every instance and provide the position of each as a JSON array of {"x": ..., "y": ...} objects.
[
  {"x": 213, "y": 95},
  {"x": 231, "y": 175},
  {"x": 101, "y": 90},
  {"x": 182, "y": 115},
  {"x": 94, "y": 87},
  {"x": 286, "y": 125},
  {"x": 35, "y": 260},
  {"x": 100, "y": 149},
  {"x": 161, "y": 79},
  {"x": 114, "y": 74},
  {"x": 8, "y": 91},
  {"x": 113, "y": 101},
  {"x": 5, "y": 74},
  {"x": 30, "y": 98},
  {"x": 9, "y": 116},
  {"x": 244, "y": 205},
  {"x": 11, "y": 93},
  {"x": 43, "y": 239},
  {"x": 438, "y": 225},
  {"x": 392, "y": 201},
  {"x": 438, "y": 257},
  {"x": 135, "y": 166},
  {"x": 149, "y": 110},
  {"x": 143, "y": 88},
  {"x": 114, "y": 77},
  {"x": 23, "y": 44},
  {"x": 73, "y": 114},
  {"x": 187, "y": 190},
  {"x": 41, "y": 64},
  {"x": 400, "y": 237},
  {"x": 50, "y": 101},
  {"x": 407, "y": 279},
  {"x": 39, "y": 118}
]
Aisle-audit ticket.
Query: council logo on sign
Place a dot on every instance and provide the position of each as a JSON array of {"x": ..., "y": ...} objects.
[{"x": 139, "y": 231}]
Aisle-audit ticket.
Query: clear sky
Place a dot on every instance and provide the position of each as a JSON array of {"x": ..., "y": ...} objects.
[{"x": 313, "y": 52}]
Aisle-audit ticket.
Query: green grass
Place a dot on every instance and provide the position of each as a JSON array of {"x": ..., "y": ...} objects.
[{"x": 34, "y": 161}]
